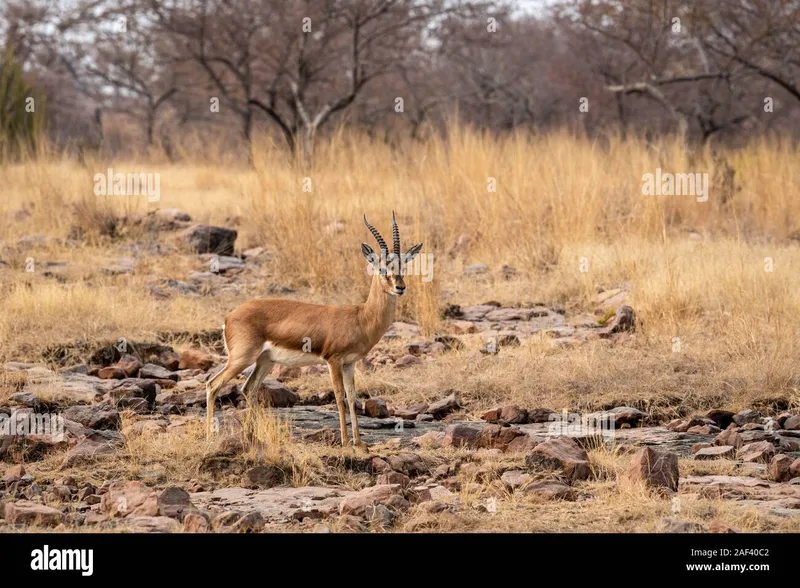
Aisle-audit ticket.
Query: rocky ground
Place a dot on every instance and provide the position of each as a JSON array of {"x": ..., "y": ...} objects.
[{"x": 127, "y": 451}]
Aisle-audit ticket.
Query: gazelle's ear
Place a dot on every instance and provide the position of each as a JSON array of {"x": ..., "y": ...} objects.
[
  {"x": 367, "y": 252},
  {"x": 412, "y": 253}
]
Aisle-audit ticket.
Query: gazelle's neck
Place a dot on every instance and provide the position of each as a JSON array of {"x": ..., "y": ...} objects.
[{"x": 378, "y": 310}]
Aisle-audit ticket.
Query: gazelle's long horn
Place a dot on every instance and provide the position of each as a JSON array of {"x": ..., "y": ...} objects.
[
  {"x": 378, "y": 238},
  {"x": 395, "y": 236}
]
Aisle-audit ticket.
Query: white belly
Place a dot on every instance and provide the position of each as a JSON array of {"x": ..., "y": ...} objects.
[{"x": 291, "y": 357}]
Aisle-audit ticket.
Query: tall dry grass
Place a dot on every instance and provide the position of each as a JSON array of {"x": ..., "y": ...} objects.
[{"x": 546, "y": 205}]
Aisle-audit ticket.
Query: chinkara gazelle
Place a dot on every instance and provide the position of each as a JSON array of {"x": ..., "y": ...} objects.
[{"x": 266, "y": 331}]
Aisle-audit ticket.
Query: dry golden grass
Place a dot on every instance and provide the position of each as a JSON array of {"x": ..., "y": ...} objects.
[{"x": 695, "y": 270}]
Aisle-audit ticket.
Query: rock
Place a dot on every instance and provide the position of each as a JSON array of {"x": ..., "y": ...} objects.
[
  {"x": 794, "y": 469},
  {"x": 125, "y": 498},
  {"x": 540, "y": 415},
  {"x": 194, "y": 359},
  {"x": 551, "y": 490},
  {"x": 787, "y": 445},
  {"x": 252, "y": 522},
  {"x": 389, "y": 495},
  {"x": 792, "y": 423},
  {"x": 752, "y": 435},
  {"x": 88, "y": 450},
  {"x": 135, "y": 388},
  {"x": 376, "y": 408},
  {"x": 410, "y": 464},
  {"x": 729, "y": 436},
  {"x": 209, "y": 239},
  {"x": 514, "y": 479},
  {"x": 129, "y": 365},
  {"x": 111, "y": 373},
  {"x": 13, "y": 474},
  {"x": 698, "y": 446},
  {"x": 152, "y": 524},
  {"x": 174, "y": 502},
  {"x": 156, "y": 372},
  {"x": 25, "y": 512},
  {"x": 460, "y": 436},
  {"x": 746, "y": 416},
  {"x": 624, "y": 320},
  {"x": 561, "y": 453},
  {"x": 195, "y": 523},
  {"x": 513, "y": 415},
  {"x": 523, "y": 444},
  {"x": 449, "y": 342},
  {"x": 626, "y": 415},
  {"x": 716, "y": 452},
  {"x": 492, "y": 415},
  {"x": 264, "y": 476},
  {"x": 495, "y": 436},
  {"x": 393, "y": 477},
  {"x": 410, "y": 413},
  {"x": 780, "y": 468},
  {"x": 94, "y": 416},
  {"x": 760, "y": 451},
  {"x": 273, "y": 393},
  {"x": 655, "y": 467},
  {"x": 703, "y": 430},
  {"x": 722, "y": 418},
  {"x": 445, "y": 406}
]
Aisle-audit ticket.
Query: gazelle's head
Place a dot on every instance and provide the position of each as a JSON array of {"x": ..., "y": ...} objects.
[{"x": 389, "y": 267}]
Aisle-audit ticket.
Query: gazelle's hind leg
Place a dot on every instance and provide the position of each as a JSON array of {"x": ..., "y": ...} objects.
[
  {"x": 240, "y": 355},
  {"x": 348, "y": 373},
  {"x": 263, "y": 367},
  {"x": 338, "y": 390}
]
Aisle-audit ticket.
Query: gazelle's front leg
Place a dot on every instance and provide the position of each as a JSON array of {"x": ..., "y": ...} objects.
[
  {"x": 335, "y": 368},
  {"x": 349, "y": 372}
]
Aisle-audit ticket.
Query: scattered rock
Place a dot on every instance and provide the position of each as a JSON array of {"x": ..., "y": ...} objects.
[
  {"x": 561, "y": 453},
  {"x": 152, "y": 524},
  {"x": 656, "y": 468},
  {"x": 792, "y": 423},
  {"x": 389, "y": 495},
  {"x": 514, "y": 479},
  {"x": 156, "y": 372},
  {"x": 746, "y": 416},
  {"x": 175, "y": 503},
  {"x": 460, "y": 436},
  {"x": 716, "y": 452},
  {"x": 780, "y": 468},
  {"x": 273, "y": 393},
  {"x": 209, "y": 239},
  {"x": 264, "y": 476},
  {"x": 125, "y": 498},
  {"x": 760, "y": 451},
  {"x": 25, "y": 512},
  {"x": 95, "y": 416},
  {"x": 195, "y": 523},
  {"x": 194, "y": 359},
  {"x": 447, "y": 405},
  {"x": 376, "y": 408}
]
